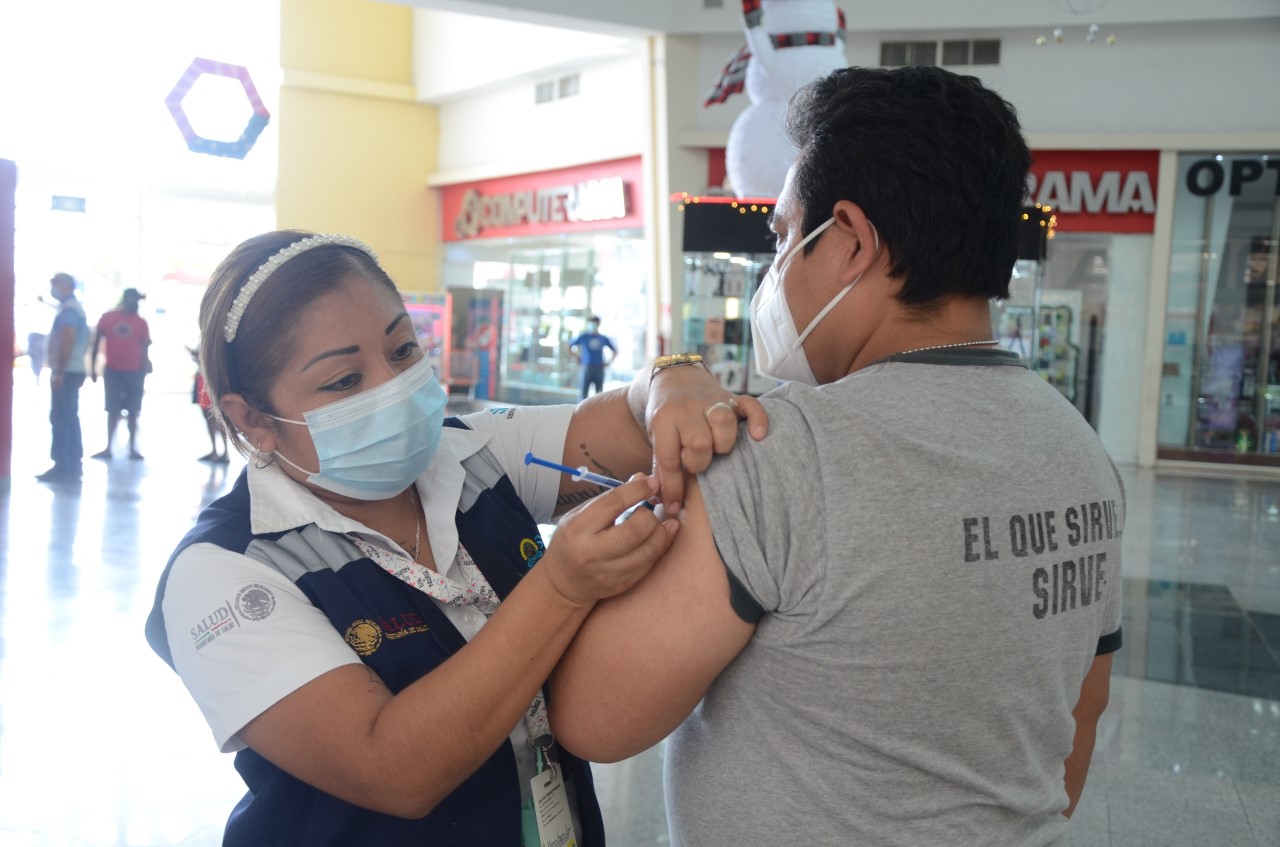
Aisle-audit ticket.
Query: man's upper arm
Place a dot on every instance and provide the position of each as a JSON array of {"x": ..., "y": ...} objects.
[{"x": 643, "y": 660}]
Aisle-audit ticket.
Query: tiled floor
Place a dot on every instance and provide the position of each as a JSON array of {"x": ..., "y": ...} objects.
[{"x": 100, "y": 745}]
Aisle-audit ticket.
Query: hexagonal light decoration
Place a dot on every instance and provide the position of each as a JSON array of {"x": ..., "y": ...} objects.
[{"x": 199, "y": 144}]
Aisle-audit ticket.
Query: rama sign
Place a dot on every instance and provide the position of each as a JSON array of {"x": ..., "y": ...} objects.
[
  {"x": 1096, "y": 190},
  {"x": 593, "y": 200},
  {"x": 1110, "y": 192}
]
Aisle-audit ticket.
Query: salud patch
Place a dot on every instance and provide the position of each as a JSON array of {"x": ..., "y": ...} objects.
[{"x": 221, "y": 620}]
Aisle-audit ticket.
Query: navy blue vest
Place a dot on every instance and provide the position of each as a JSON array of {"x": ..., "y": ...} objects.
[{"x": 388, "y": 617}]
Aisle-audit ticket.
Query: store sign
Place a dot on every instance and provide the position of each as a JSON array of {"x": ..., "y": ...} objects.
[
  {"x": 594, "y": 200},
  {"x": 1208, "y": 176},
  {"x": 598, "y": 196},
  {"x": 1088, "y": 190},
  {"x": 1081, "y": 191},
  {"x": 1096, "y": 191}
]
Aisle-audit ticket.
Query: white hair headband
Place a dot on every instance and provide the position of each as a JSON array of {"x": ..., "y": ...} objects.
[{"x": 267, "y": 268}]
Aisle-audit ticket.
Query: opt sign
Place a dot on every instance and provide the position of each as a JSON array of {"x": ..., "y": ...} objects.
[
  {"x": 199, "y": 144},
  {"x": 1207, "y": 176}
]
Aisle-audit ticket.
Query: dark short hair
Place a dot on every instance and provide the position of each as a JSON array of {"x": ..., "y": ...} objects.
[
  {"x": 937, "y": 162},
  {"x": 251, "y": 364}
]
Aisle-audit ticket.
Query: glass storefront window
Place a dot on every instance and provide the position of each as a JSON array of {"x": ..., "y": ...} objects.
[
  {"x": 1220, "y": 389},
  {"x": 1090, "y": 296},
  {"x": 536, "y": 296},
  {"x": 715, "y": 315}
]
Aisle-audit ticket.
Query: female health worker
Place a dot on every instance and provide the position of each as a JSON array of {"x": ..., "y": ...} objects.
[{"x": 360, "y": 618}]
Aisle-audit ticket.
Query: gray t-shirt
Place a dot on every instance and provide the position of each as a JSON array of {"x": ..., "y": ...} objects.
[{"x": 934, "y": 546}]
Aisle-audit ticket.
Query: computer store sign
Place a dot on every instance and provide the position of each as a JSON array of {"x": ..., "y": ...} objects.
[
  {"x": 554, "y": 202},
  {"x": 1096, "y": 190}
]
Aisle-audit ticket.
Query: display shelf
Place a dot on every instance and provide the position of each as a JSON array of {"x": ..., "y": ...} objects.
[{"x": 715, "y": 316}]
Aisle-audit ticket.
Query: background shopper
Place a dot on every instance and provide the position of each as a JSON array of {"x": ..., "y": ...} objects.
[
  {"x": 68, "y": 339},
  {"x": 127, "y": 340}
]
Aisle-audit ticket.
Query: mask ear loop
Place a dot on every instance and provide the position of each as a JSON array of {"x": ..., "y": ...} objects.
[
  {"x": 278, "y": 455},
  {"x": 282, "y": 457},
  {"x": 835, "y": 301},
  {"x": 794, "y": 250}
]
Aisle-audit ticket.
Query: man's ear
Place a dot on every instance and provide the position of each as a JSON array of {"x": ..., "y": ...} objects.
[
  {"x": 868, "y": 249},
  {"x": 256, "y": 427}
]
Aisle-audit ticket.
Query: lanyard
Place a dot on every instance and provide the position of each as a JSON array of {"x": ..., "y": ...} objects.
[{"x": 474, "y": 590}]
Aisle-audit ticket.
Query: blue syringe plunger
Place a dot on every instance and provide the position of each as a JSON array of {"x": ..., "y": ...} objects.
[
  {"x": 581, "y": 473},
  {"x": 577, "y": 474}
]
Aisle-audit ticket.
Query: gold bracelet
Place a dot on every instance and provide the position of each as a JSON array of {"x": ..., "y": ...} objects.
[{"x": 675, "y": 360}]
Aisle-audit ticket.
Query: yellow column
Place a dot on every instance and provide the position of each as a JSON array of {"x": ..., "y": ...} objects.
[{"x": 355, "y": 144}]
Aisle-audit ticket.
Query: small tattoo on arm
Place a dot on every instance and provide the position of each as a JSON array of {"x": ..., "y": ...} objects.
[
  {"x": 574, "y": 498},
  {"x": 596, "y": 466}
]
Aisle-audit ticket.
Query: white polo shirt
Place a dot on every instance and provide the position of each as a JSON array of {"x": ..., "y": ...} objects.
[{"x": 235, "y": 674}]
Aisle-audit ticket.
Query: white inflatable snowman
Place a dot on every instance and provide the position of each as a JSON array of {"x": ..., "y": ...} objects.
[{"x": 789, "y": 43}]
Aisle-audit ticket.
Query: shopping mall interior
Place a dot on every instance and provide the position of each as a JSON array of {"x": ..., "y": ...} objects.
[{"x": 522, "y": 166}]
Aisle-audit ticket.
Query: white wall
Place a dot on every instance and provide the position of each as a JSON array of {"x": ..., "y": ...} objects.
[
  {"x": 445, "y": 47},
  {"x": 689, "y": 17},
  {"x": 1120, "y": 402},
  {"x": 1157, "y": 78},
  {"x": 614, "y": 17},
  {"x": 503, "y": 131}
]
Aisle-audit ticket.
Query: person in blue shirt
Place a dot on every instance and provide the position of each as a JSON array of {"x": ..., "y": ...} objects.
[
  {"x": 589, "y": 347},
  {"x": 68, "y": 340}
]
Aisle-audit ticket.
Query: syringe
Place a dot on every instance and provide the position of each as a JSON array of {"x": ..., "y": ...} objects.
[{"x": 580, "y": 474}]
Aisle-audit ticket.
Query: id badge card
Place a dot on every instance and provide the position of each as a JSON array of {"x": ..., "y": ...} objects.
[{"x": 551, "y": 809}]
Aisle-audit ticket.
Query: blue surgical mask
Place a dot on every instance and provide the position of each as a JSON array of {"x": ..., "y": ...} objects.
[{"x": 373, "y": 445}]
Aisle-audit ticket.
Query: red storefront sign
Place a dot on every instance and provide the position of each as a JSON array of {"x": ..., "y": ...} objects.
[
  {"x": 602, "y": 195},
  {"x": 1089, "y": 190},
  {"x": 1097, "y": 190}
]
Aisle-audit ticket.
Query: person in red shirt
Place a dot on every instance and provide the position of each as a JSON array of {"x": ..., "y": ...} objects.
[{"x": 127, "y": 365}]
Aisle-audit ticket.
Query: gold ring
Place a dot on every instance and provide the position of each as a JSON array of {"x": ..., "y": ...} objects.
[{"x": 720, "y": 405}]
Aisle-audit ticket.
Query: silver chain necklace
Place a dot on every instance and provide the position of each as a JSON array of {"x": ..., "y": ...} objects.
[{"x": 949, "y": 346}]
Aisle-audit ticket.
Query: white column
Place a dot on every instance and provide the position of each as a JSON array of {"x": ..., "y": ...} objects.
[{"x": 673, "y": 64}]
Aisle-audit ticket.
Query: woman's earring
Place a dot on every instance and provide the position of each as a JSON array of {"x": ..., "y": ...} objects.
[{"x": 257, "y": 456}]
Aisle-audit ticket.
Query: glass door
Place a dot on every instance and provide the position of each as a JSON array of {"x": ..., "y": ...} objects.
[
  {"x": 1221, "y": 379},
  {"x": 548, "y": 299}
]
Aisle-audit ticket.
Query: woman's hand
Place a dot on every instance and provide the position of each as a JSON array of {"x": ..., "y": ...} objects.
[
  {"x": 591, "y": 558},
  {"x": 690, "y": 418}
]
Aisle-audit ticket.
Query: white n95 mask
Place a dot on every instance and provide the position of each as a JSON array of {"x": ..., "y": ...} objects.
[
  {"x": 374, "y": 444},
  {"x": 779, "y": 349}
]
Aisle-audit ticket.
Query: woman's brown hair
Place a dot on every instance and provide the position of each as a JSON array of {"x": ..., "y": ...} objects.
[{"x": 251, "y": 364}]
